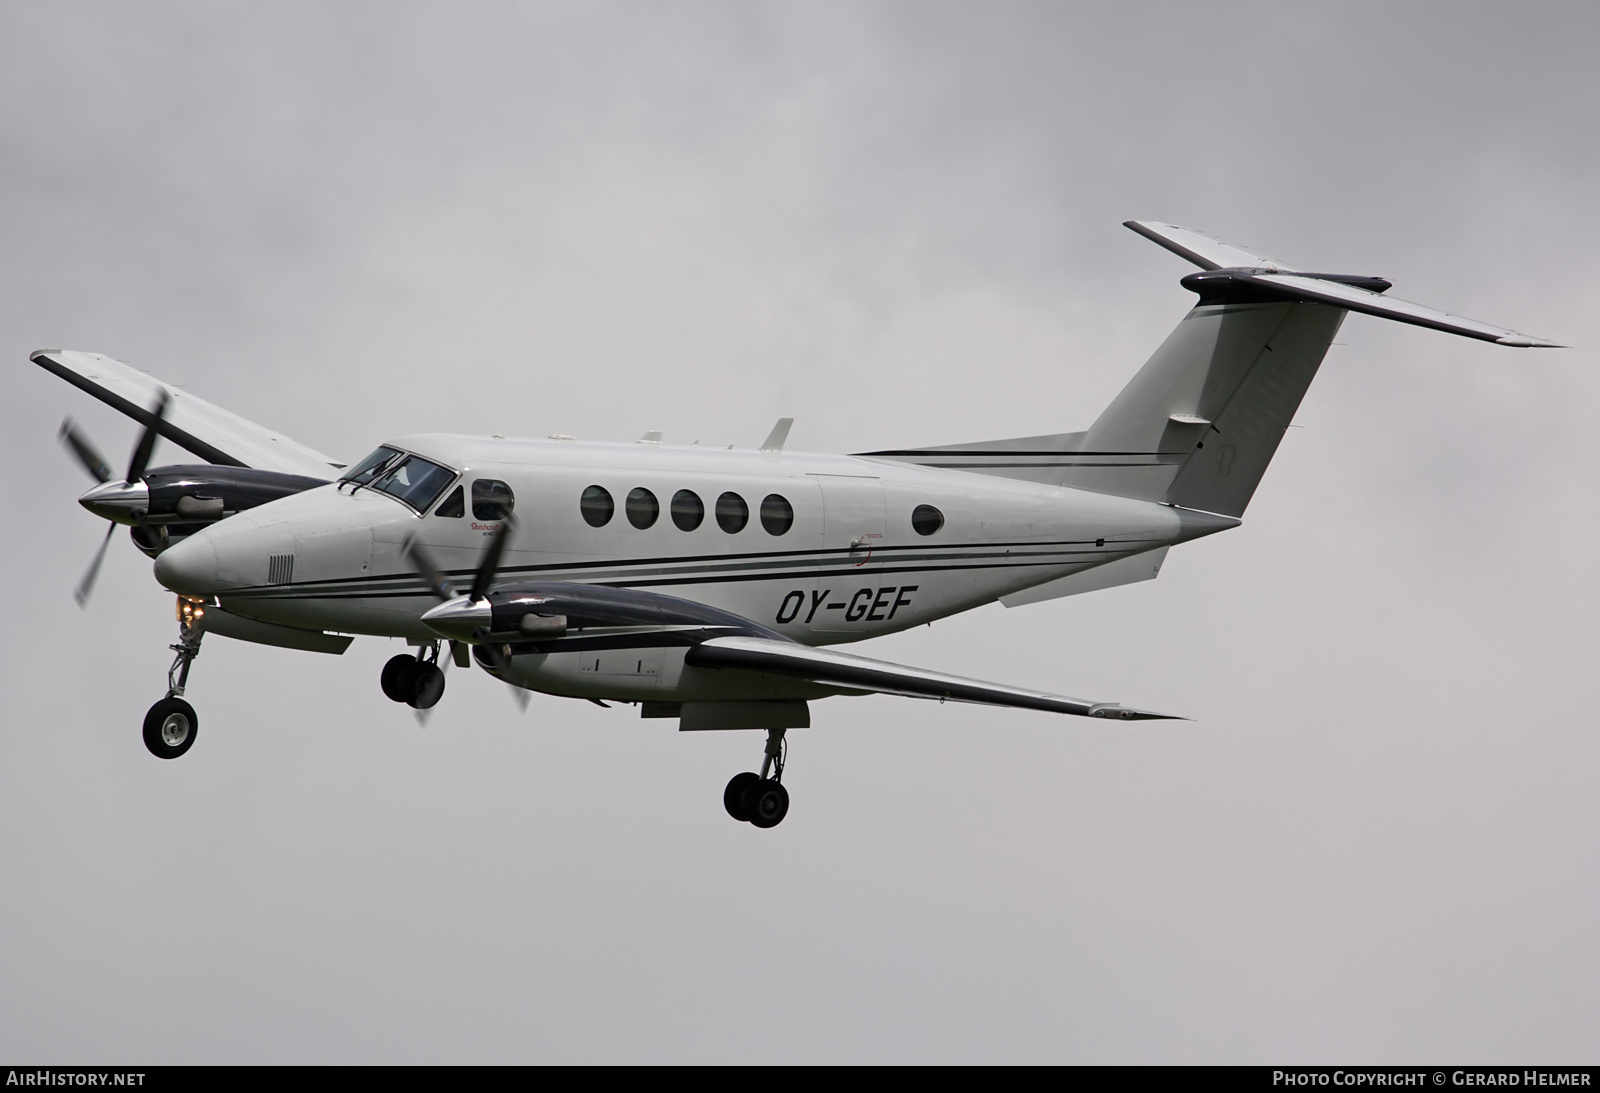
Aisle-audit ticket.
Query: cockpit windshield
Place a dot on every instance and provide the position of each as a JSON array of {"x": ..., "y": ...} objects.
[
  {"x": 416, "y": 481},
  {"x": 378, "y": 461}
]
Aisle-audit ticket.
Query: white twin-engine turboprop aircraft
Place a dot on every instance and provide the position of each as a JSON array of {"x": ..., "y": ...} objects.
[{"x": 705, "y": 584}]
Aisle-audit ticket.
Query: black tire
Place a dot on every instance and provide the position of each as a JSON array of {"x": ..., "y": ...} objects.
[
  {"x": 170, "y": 728},
  {"x": 394, "y": 679},
  {"x": 733, "y": 796},
  {"x": 767, "y": 802},
  {"x": 426, "y": 683}
]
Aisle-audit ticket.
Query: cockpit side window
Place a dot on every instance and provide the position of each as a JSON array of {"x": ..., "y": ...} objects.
[
  {"x": 368, "y": 468},
  {"x": 455, "y": 505},
  {"x": 416, "y": 481},
  {"x": 491, "y": 500}
]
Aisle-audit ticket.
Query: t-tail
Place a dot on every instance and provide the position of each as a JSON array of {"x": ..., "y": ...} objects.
[{"x": 1201, "y": 420}]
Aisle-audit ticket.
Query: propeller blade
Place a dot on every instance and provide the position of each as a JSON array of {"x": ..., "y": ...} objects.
[
  {"x": 490, "y": 654},
  {"x": 438, "y": 583},
  {"x": 491, "y": 557},
  {"x": 491, "y": 657},
  {"x": 147, "y": 442},
  {"x": 79, "y": 445},
  {"x": 86, "y": 586}
]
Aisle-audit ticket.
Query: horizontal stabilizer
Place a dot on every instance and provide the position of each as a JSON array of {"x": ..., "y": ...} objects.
[
  {"x": 1205, "y": 251},
  {"x": 209, "y": 432},
  {"x": 1227, "y": 286},
  {"x": 1234, "y": 275},
  {"x": 856, "y": 673},
  {"x": 1030, "y": 458}
]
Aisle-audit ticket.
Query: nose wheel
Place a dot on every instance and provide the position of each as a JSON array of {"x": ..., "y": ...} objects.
[
  {"x": 170, "y": 728},
  {"x": 760, "y": 799}
]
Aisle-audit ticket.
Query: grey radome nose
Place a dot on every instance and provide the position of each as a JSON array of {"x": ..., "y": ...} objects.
[
  {"x": 189, "y": 568},
  {"x": 123, "y": 502}
]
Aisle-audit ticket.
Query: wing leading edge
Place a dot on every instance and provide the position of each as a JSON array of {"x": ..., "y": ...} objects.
[
  {"x": 198, "y": 427},
  {"x": 856, "y": 673}
]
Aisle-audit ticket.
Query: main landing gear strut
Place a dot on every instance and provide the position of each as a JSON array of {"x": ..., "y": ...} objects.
[
  {"x": 757, "y": 798},
  {"x": 171, "y": 725}
]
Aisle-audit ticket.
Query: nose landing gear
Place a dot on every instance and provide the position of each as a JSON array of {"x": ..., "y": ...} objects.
[
  {"x": 171, "y": 725},
  {"x": 756, "y": 798}
]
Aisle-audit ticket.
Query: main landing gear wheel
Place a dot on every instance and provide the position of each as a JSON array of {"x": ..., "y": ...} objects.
[
  {"x": 733, "y": 796},
  {"x": 416, "y": 682},
  {"x": 757, "y": 799},
  {"x": 426, "y": 686},
  {"x": 767, "y": 803},
  {"x": 170, "y": 728},
  {"x": 395, "y": 674}
]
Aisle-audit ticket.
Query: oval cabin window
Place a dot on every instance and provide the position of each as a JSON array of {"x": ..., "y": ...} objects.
[
  {"x": 925, "y": 519},
  {"x": 687, "y": 510},
  {"x": 732, "y": 513},
  {"x": 643, "y": 508},
  {"x": 777, "y": 515},
  {"x": 597, "y": 506}
]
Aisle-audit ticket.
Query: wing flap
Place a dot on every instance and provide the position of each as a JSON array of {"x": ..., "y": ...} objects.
[
  {"x": 193, "y": 424},
  {"x": 857, "y": 673}
]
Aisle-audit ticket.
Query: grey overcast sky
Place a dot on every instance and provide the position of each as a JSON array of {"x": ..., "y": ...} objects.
[{"x": 898, "y": 223}]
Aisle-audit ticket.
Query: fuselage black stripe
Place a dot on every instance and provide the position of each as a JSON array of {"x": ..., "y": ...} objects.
[
  {"x": 301, "y": 593},
  {"x": 920, "y": 452},
  {"x": 1046, "y": 466},
  {"x": 794, "y": 557},
  {"x": 409, "y": 581}
]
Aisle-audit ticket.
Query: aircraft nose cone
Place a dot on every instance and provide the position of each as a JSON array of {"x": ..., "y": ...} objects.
[
  {"x": 462, "y": 619},
  {"x": 119, "y": 501},
  {"x": 189, "y": 568}
]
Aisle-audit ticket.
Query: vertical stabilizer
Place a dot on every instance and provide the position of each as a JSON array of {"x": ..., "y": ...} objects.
[{"x": 1201, "y": 420}]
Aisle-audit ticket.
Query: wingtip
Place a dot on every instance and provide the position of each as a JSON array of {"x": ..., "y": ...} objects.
[
  {"x": 1113, "y": 712},
  {"x": 1520, "y": 341}
]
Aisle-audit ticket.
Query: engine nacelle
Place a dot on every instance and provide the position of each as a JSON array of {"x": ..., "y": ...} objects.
[{"x": 169, "y": 503}]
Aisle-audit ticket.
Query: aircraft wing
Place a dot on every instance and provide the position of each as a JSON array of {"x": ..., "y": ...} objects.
[
  {"x": 858, "y": 673},
  {"x": 209, "y": 432}
]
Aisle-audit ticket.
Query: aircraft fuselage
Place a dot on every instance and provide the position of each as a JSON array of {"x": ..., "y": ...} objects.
[{"x": 819, "y": 548}]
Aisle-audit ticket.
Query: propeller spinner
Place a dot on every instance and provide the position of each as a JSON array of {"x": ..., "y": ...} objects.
[
  {"x": 464, "y": 618},
  {"x": 467, "y": 618}
]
